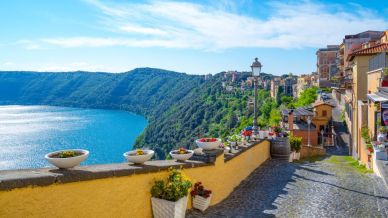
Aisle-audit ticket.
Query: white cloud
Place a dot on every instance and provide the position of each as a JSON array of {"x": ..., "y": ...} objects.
[
  {"x": 175, "y": 24},
  {"x": 8, "y": 63},
  {"x": 29, "y": 44}
]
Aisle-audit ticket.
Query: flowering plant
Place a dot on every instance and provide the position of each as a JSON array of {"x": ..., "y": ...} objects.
[
  {"x": 247, "y": 133},
  {"x": 207, "y": 140},
  {"x": 139, "y": 152},
  {"x": 181, "y": 150},
  {"x": 200, "y": 190},
  {"x": 176, "y": 187}
]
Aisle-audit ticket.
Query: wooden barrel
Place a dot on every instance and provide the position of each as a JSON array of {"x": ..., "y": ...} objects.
[{"x": 280, "y": 148}]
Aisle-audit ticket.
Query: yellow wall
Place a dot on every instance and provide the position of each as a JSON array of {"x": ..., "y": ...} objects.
[
  {"x": 373, "y": 83},
  {"x": 318, "y": 119},
  {"x": 360, "y": 70},
  {"x": 127, "y": 196}
]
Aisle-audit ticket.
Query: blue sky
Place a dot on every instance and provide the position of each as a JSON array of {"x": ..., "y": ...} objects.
[{"x": 196, "y": 37}]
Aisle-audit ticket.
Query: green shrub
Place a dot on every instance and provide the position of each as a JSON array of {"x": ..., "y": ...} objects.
[
  {"x": 365, "y": 134},
  {"x": 295, "y": 143},
  {"x": 176, "y": 187}
]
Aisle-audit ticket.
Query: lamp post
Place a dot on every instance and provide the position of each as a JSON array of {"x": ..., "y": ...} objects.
[
  {"x": 256, "y": 70},
  {"x": 309, "y": 122}
]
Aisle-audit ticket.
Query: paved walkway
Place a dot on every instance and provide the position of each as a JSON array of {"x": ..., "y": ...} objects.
[
  {"x": 325, "y": 188},
  {"x": 331, "y": 187}
]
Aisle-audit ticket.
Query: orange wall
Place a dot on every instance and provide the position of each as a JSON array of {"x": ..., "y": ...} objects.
[{"x": 304, "y": 135}]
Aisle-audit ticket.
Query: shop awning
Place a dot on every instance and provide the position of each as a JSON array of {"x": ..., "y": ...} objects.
[{"x": 376, "y": 97}]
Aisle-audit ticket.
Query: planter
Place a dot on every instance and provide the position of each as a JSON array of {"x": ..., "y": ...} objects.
[
  {"x": 381, "y": 137},
  {"x": 168, "y": 209},
  {"x": 208, "y": 145},
  {"x": 232, "y": 143},
  {"x": 201, "y": 203},
  {"x": 181, "y": 157},
  {"x": 291, "y": 158},
  {"x": 67, "y": 162},
  {"x": 296, "y": 155},
  {"x": 138, "y": 159},
  {"x": 226, "y": 150}
]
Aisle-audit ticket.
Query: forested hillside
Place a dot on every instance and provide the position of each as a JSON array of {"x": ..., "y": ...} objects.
[{"x": 179, "y": 107}]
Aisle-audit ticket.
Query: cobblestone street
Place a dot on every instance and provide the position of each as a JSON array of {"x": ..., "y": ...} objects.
[{"x": 327, "y": 188}]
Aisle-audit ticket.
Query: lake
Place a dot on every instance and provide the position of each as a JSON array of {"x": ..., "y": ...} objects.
[{"x": 27, "y": 133}]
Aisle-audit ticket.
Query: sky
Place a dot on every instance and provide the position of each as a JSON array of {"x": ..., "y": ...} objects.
[{"x": 195, "y": 37}]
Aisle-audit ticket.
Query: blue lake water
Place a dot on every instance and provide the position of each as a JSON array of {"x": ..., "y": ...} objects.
[{"x": 27, "y": 133}]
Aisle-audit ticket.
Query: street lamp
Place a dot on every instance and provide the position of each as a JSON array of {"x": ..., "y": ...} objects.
[
  {"x": 256, "y": 70},
  {"x": 309, "y": 122}
]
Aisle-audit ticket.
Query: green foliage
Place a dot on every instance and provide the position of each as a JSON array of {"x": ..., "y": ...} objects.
[
  {"x": 308, "y": 96},
  {"x": 365, "y": 134},
  {"x": 274, "y": 117},
  {"x": 343, "y": 116},
  {"x": 236, "y": 138},
  {"x": 176, "y": 187},
  {"x": 295, "y": 143}
]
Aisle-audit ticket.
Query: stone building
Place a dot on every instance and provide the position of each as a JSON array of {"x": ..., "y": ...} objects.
[{"x": 326, "y": 64}]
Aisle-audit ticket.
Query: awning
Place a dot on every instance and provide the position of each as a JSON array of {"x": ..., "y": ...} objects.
[{"x": 376, "y": 98}]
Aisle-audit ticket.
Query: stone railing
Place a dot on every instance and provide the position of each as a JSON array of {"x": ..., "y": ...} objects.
[{"x": 116, "y": 190}]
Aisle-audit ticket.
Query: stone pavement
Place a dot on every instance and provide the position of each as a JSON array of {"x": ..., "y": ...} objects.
[{"x": 320, "y": 189}]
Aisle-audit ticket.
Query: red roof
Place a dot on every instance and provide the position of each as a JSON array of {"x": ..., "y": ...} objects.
[{"x": 369, "y": 51}]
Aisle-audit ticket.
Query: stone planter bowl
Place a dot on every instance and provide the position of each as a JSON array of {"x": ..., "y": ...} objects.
[
  {"x": 138, "y": 159},
  {"x": 208, "y": 145},
  {"x": 68, "y": 162},
  {"x": 181, "y": 157}
]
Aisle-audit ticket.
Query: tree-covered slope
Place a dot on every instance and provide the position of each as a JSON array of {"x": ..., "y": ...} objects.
[
  {"x": 179, "y": 107},
  {"x": 145, "y": 90}
]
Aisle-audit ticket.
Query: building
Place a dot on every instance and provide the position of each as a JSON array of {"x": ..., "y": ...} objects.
[
  {"x": 275, "y": 83},
  {"x": 364, "y": 62},
  {"x": 303, "y": 82},
  {"x": 295, "y": 120},
  {"x": 288, "y": 85},
  {"x": 326, "y": 64},
  {"x": 349, "y": 43}
]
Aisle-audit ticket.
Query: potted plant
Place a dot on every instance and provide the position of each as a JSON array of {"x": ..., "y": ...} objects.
[
  {"x": 369, "y": 147},
  {"x": 169, "y": 198},
  {"x": 201, "y": 197},
  {"x": 277, "y": 130},
  {"x": 225, "y": 147},
  {"x": 235, "y": 140},
  {"x": 382, "y": 134},
  {"x": 208, "y": 143},
  {"x": 138, "y": 156},
  {"x": 182, "y": 154},
  {"x": 295, "y": 143},
  {"x": 247, "y": 134},
  {"x": 67, "y": 158}
]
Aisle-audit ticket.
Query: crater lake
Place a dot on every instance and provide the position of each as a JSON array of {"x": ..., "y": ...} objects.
[{"x": 27, "y": 133}]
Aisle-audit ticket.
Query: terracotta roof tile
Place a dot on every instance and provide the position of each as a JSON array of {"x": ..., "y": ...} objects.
[{"x": 369, "y": 51}]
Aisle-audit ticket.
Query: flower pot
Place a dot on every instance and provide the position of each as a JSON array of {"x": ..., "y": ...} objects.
[
  {"x": 381, "y": 137},
  {"x": 138, "y": 159},
  {"x": 296, "y": 155},
  {"x": 201, "y": 203},
  {"x": 68, "y": 162},
  {"x": 226, "y": 150},
  {"x": 208, "y": 145},
  {"x": 168, "y": 209},
  {"x": 291, "y": 158},
  {"x": 181, "y": 157}
]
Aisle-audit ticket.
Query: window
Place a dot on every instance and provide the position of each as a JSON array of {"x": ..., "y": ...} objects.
[{"x": 324, "y": 113}]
